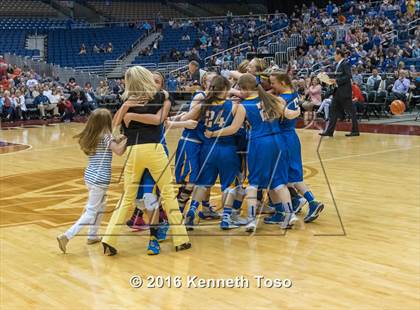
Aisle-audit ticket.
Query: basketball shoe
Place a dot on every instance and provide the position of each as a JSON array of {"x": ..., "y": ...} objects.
[
  {"x": 315, "y": 208},
  {"x": 207, "y": 213},
  {"x": 153, "y": 248}
]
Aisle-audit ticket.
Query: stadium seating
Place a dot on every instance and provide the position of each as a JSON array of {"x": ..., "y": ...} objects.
[
  {"x": 220, "y": 7},
  {"x": 29, "y": 8},
  {"x": 64, "y": 44},
  {"x": 134, "y": 10},
  {"x": 14, "y": 42},
  {"x": 172, "y": 39},
  {"x": 39, "y": 23}
]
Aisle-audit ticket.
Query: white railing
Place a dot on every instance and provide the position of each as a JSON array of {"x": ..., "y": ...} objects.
[
  {"x": 413, "y": 25},
  {"x": 317, "y": 67},
  {"x": 261, "y": 39}
]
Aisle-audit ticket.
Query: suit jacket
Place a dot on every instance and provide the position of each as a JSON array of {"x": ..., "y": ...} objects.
[{"x": 343, "y": 78}]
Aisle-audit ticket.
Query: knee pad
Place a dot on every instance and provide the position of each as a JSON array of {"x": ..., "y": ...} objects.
[{"x": 151, "y": 201}]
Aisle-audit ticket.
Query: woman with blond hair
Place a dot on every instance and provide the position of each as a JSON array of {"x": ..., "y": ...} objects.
[{"x": 145, "y": 151}]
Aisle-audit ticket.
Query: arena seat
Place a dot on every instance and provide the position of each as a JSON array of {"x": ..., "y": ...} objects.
[
  {"x": 13, "y": 41},
  {"x": 64, "y": 45},
  {"x": 134, "y": 10},
  {"x": 29, "y": 8},
  {"x": 39, "y": 23}
]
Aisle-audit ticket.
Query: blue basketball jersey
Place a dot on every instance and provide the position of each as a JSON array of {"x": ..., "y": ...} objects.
[
  {"x": 218, "y": 116},
  {"x": 192, "y": 133},
  {"x": 292, "y": 101},
  {"x": 258, "y": 119}
]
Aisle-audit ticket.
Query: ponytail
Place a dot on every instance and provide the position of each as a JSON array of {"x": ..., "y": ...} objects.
[
  {"x": 272, "y": 105},
  {"x": 218, "y": 84}
]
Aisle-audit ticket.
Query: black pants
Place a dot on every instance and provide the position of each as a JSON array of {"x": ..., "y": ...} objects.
[{"x": 339, "y": 107}]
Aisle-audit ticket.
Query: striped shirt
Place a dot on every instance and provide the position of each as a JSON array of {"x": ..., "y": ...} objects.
[{"x": 98, "y": 171}]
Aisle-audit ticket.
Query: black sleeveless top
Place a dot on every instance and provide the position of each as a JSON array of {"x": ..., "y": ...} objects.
[{"x": 139, "y": 133}]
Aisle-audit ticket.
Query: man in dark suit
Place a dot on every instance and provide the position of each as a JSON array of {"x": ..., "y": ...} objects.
[{"x": 342, "y": 98}]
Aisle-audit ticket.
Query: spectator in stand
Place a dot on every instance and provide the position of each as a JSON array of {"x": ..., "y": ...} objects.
[
  {"x": 416, "y": 50},
  {"x": 82, "y": 50},
  {"x": 54, "y": 97},
  {"x": 47, "y": 92},
  {"x": 401, "y": 87},
  {"x": 373, "y": 81},
  {"x": 5, "y": 82},
  {"x": 357, "y": 76},
  {"x": 102, "y": 92},
  {"x": 95, "y": 49},
  {"x": 68, "y": 110},
  {"x": 8, "y": 106},
  {"x": 118, "y": 88},
  {"x": 90, "y": 96},
  {"x": 185, "y": 37},
  {"x": 31, "y": 82},
  {"x": 195, "y": 72},
  {"x": 313, "y": 92},
  {"x": 147, "y": 27},
  {"x": 20, "y": 105},
  {"x": 358, "y": 98},
  {"x": 43, "y": 104},
  {"x": 109, "y": 47},
  {"x": 71, "y": 84},
  {"x": 79, "y": 101}
]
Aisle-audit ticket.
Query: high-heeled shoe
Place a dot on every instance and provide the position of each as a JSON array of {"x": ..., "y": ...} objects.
[
  {"x": 182, "y": 247},
  {"x": 112, "y": 251}
]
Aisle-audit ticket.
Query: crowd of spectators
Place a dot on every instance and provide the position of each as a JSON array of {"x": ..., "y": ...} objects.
[
  {"x": 374, "y": 36},
  {"x": 214, "y": 37},
  {"x": 97, "y": 48},
  {"x": 24, "y": 94}
]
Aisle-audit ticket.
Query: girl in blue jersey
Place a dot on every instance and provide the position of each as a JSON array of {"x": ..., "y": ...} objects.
[
  {"x": 218, "y": 156},
  {"x": 187, "y": 159},
  {"x": 282, "y": 87},
  {"x": 267, "y": 156}
]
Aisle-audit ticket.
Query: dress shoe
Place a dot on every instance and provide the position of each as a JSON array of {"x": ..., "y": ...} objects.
[
  {"x": 323, "y": 134},
  {"x": 62, "y": 242},
  {"x": 353, "y": 134}
]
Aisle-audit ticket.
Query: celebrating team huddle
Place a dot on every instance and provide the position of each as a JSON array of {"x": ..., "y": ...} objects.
[{"x": 242, "y": 134}]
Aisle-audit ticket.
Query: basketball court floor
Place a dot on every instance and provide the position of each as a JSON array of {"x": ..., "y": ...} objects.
[{"x": 362, "y": 253}]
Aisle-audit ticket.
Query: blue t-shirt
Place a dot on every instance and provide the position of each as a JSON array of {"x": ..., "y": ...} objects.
[{"x": 258, "y": 120}]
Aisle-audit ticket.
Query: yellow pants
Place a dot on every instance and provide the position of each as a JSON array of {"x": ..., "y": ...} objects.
[{"x": 149, "y": 156}]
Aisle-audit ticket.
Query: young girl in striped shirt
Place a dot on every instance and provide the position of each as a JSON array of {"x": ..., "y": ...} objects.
[{"x": 97, "y": 142}]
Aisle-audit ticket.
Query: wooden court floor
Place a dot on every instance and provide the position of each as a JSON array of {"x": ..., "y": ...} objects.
[{"x": 364, "y": 254}]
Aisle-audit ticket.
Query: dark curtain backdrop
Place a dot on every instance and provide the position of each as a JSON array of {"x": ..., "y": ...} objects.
[{"x": 287, "y": 6}]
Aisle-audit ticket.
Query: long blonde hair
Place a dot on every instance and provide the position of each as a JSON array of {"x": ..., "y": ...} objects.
[
  {"x": 272, "y": 105},
  {"x": 242, "y": 68},
  {"x": 139, "y": 83},
  {"x": 98, "y": 123}
]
